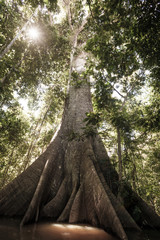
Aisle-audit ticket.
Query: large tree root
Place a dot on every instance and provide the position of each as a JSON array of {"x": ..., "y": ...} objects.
[
  {"x": 147, "y": 216},
  {"x": 17, "y": 195},
  {"x": 69, "y": 186}
]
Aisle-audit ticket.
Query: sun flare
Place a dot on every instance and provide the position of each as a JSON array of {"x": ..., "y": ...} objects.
[{"x": 33, "y": 33}]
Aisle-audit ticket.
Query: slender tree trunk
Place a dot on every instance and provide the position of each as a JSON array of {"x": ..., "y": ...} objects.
[
  {"x": 119, "y": 154},
  {"x": 13, "y": 40},
  {"x": 134, "y": 177},
  {"x": 120, "y": 166}
]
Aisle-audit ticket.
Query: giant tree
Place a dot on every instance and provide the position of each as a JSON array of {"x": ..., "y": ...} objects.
[{"x": 74, "y": 180}]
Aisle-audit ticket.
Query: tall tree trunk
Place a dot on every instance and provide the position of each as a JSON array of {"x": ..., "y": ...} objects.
[
  {"x": 119, "y": 150},
  {"x": 70, "y": 182},
  {"x": 120, "y": 166}
]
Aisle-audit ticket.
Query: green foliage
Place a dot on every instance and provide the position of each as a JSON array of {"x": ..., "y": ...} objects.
[
  {"x": 24, "y": 67},
  {"x": 92, "y": 118},
  {"x": 13, "y": 136},
  {"x": 150, "y": 121},
  {"x": 12, "y": 128},
  {"x": 125, "y": 43},
  {"x": 73, "y": 136},
  {"x": 77, "y": 79},
  {"x": 89, "y": 130},
  {"x": 50, "y": 4},
  {"x": 27, "y": 66}
]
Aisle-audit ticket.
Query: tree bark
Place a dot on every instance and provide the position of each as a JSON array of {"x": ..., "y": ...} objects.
[{"x": 119, "y": 150}]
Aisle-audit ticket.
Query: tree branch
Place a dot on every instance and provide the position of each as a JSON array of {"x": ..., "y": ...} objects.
[
  {"x": 118, "y": 92},
  {"x": 67, "y": 4},
  {"x": 90, "y": 9}
]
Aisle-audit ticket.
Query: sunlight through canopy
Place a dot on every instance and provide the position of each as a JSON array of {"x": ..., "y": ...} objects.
[{"x": 33, "y": 33}]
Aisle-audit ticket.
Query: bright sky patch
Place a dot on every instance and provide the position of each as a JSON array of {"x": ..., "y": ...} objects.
[{"x": 33, "y": 33}]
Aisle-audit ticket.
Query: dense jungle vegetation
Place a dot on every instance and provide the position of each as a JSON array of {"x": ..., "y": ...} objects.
[{"x": 122, "y": 39}]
